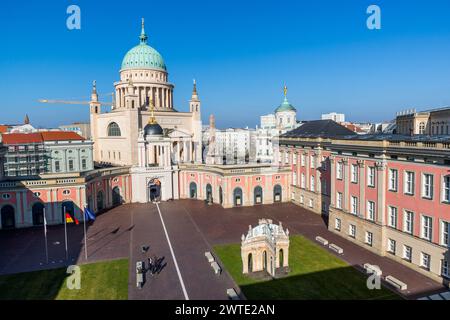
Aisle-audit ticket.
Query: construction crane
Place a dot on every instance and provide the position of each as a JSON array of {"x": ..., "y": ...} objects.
[
  {"x": 54, "y": 101},
  {"x": 73, "y": 102}
]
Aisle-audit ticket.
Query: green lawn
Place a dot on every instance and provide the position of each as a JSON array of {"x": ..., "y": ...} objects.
[
  {"x": 315, "y": 274},
  {"x": 99, "y": 281}
]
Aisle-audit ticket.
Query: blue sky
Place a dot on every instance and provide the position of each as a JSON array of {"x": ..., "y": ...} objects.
[{"x": 240, "y": 52}]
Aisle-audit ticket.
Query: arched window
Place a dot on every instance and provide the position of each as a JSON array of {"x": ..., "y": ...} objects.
[
  {"x": 422, "y": 128},
  {"x": 113, "y": 130}
]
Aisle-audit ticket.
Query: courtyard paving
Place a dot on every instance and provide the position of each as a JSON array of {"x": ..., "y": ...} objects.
[{"x": 193, "y": 227}]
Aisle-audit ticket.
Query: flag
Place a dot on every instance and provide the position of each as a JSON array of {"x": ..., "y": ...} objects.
[
  {"x": 89, "y": 215},
  {"x": 70, "y": 219}
]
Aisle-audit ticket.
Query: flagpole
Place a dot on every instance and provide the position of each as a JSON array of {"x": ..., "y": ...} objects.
[
  {"x": 85, "y": 237},
  {"x": 65, "y": 230},
  {"x": 45, "y": 234}
]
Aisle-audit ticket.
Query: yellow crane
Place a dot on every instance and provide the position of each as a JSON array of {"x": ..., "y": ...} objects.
[{"x": 55, "y": 101}]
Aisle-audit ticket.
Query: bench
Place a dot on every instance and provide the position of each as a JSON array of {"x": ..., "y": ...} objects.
[
  {"x": 336, "y": 248},
  {"x": 216, "y": 267},
  {"x": 232, "y": 295},
  {"x": 209, "y": 256},
  {"x": 322, "y": 240},
  {"x": 436, "y": 297},
  {"x": 373, "y": 269},
  {"x": 446, "y": 295},
  {"x": 396, "y": 283}
]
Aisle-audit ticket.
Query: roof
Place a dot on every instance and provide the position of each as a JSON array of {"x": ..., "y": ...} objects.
[
  {"x": 60, "y": 136},
  {"x": 39, "y": 137},
  {"x": 398, "y": 137},
  {"x": 21, "y": 138},
  {"x": 319, "y": 128},
  {"x": 3, "y": 128}
]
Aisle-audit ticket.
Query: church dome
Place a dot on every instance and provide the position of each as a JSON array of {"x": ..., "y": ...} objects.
[
  {"x": 153, "y": 129},
  {"x": 285, "y": 106},
  {"x": 143, "y": 56}
]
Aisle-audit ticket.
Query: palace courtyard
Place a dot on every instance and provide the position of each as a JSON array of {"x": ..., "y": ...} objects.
[{"x": 179, "y": 233}]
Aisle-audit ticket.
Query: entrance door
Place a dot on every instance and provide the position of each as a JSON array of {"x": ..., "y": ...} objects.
[
  {"x": 155, "y": 192},
  {"x": 193, "y": 190},
  {"x": 209, "y": 192},
  {"x": 8, "y": 218},
  {"x": 38, "y": 214},
  {"x": 277, "y": 196},
  {"x": 237, "y": 194},
  {"x": 258, "y": 195},
  {"x": 116, "y": 197}
]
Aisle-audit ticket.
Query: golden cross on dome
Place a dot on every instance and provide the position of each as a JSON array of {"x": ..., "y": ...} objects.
[{"x": 285, "y": 90}]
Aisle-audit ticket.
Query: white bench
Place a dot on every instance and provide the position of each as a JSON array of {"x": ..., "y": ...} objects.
[
  {"x": 232, "y": 294},
  {"x": 446, "y": 295},
  {"x": 336, "y": 248},
  {"x": 216, "y": 267},
  {"x": 396, "y": 283},
  {"x": 209, "y": 256},
  {"x": 436, "y": 297},
  {"x": 373, "y": 269},
  {"x": 322, "y": 240}
]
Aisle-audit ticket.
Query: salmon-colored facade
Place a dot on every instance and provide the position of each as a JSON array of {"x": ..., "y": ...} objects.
[{"x": 391, "y": 196}]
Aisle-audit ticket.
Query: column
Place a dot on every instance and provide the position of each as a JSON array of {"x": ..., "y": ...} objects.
[
  {"x": 381, "y": 191},
  {"x": 186, "y": 151},
  {"x": 333, "y": 181},
  {"x": 156, "y": 97},
  {"x": 362, "y": 184},
  {"x": 346, "y": 174}
]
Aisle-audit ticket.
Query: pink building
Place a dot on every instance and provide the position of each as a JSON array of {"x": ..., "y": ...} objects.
[{"x": 389, "y": 194}]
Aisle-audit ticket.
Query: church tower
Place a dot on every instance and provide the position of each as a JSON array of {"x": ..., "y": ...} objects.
[
  {"x": 95, "y": 110},
  {"x": 194, "y": 106}
]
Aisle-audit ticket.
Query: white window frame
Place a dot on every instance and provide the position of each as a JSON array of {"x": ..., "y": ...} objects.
[
  {"x": 444, "y": 268},
  {"x": 427, "y": 186},
  {"x": 312, "y": 184},
  {"x": 392, "y": 246},
  {"x": 352, "y": 230},
  {"x": 446, "y": 189},
  {"x": 369, "y": 238},
  {"x": 393, "y": 180},
  {"x": 427, "y": 228},
  {"x": 408, "y": 224},
  {"x": 354, "y": 205},
  {"x": 339, "y": 171},
  {"x": 302, "y": 160},
  {"x": 371, "y": 176},
  {"x": 445, "y": 233},
  {"x": 302, "y": 181},
  {"x": 425, "y": 257},
  {"x": 339, "y": 200},
  {"x": 354, "y": 173},
  {"x": 393, "y": 217},
  {"x": 294, "y": 178},
  {"x": 407, "y": 253},
  {"x": 371, "y": 207},
  {"x": 409, "y": 184},
  {"x": 337, "y": 224}
]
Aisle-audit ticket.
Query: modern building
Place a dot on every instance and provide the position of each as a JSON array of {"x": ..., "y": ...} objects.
[
  {"x": 387, "y": 193},
  {"x": 338, "y": 117},
  {"x": 429, "y": 122},
  {"x": 83, "y": 129}
]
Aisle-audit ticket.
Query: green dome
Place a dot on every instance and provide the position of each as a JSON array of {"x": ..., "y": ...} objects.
[
  {"x": 285, "y": 106},
  {"x": 143, "y": 56}
]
